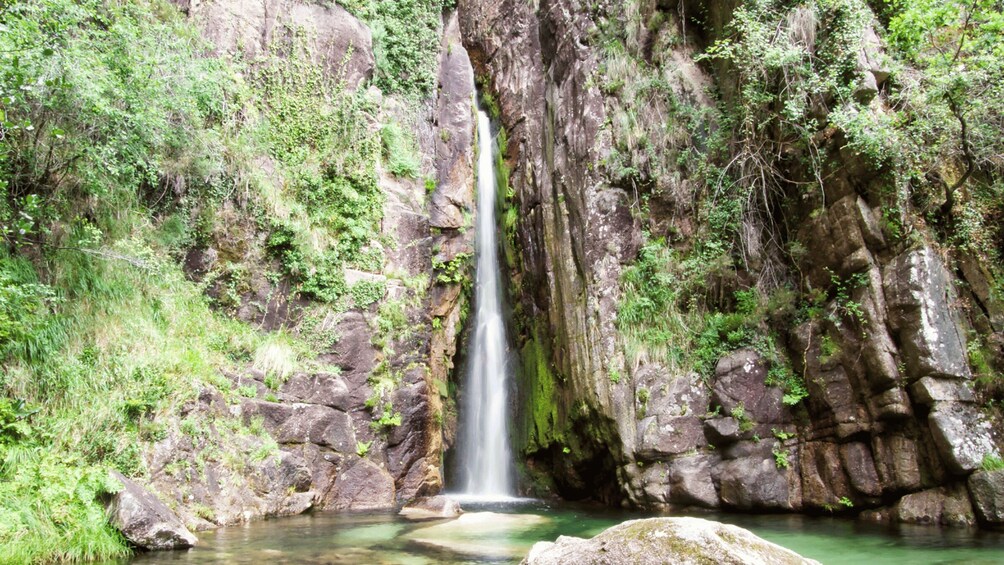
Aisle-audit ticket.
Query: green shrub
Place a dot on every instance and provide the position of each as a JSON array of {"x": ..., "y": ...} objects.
[
  {"x": 405, "y": 43},
  {"x": 399, "y": 151},
  {"x": 365, "y": 293}
]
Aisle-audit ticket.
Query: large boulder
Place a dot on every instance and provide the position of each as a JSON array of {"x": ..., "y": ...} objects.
[
  {"x": 690, "y": 482},
  {"x": 303, "y": 423},
  {"x": 672, "y": 407},
  {"x": 739, "y": 387},
  {"x": 665, "y": 540},
  {"x": 962, "y": 434},
  {"x": 146, "y": 521},
  {"x": 948, "y": 506},
  {"x": 755, "y": 481},
  {"x": 986, "y": 488}
]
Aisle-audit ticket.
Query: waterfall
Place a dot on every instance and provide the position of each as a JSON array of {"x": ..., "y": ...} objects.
[{"x": 484, "y": 451}]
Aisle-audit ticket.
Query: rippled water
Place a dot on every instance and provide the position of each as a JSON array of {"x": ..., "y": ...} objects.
[{"x": 385, "y": 538}]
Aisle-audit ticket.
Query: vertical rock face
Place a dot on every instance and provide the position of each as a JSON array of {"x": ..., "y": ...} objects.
[
  {"x": 450, "y": 207},
  {"x": 337, "y": 41},
  {"x": 890, "y": 408},
  {"x": 574, "y": 228}
]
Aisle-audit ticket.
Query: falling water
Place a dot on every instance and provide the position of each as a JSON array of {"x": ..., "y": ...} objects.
[{"x": 484, "y": 455}]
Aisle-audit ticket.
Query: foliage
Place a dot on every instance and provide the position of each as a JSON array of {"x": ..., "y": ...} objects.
[
  {"x": 664, "y": 313},
  {"x": 14, "y": 426},
  {"x": 992, "y": 462},
  {"x": 49, "y": 509},
  {"x": 406, "y": 43},
  {"x": 388, "y": 418},
  {"x": 615, "y": 376},
  {"x": 399, "y": 151},
  {"x": 781, "y": 434},
  {"x": 781, "y": 458},
  {"x": 785, "y": 61},
  {"x": 739, "y": 413},
  {"x": 320, "y": 132},
  {"x": 94, "y": 106},
  {"x": 365, "y": 293},
  {"x": 454, "y": 271},
  {"x": 119, "y": 137},
  {"x": 27, "y": 330},
  {"x": 363, "y": 447}
]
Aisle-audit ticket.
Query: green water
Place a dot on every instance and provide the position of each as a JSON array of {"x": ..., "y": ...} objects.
[{"x": 385, "y": 538}]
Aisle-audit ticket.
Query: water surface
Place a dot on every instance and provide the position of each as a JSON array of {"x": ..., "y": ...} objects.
[{"x": 384, "y": 538}]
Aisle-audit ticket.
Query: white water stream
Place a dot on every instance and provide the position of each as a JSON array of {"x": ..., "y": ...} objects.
[{"x": 485, "y": 457}]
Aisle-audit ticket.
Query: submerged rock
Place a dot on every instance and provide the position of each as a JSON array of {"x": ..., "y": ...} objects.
[
  {"x": 146, "y": 521},
  {"x": 432, "y": 508},
  {"x": 664, "y": 540},
  {"x": 481, "y": 534}
]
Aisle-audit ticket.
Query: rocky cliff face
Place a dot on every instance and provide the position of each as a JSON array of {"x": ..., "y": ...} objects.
[
  {"x": 889, "y": 419},
  {"x": 335, "y": 449},
  {"x": 862, "y": 399}
]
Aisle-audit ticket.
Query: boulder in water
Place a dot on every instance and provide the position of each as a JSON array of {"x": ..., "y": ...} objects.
[
  {"x": 665, "y": 540},
  {"x": 432, "y": 508},
  {"x": 487, "y": 535},
  {"x": 146, "y": 521}
]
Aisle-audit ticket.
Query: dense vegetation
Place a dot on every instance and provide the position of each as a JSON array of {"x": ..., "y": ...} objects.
[{"x": 124, "y": 143}]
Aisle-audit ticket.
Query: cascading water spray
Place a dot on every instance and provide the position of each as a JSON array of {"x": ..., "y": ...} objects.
[{"x": 485, "y": 457}]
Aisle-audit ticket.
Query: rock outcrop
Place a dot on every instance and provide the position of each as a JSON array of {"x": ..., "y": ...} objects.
[
  {"x": 146, "y": 521},
  {"x": 366, "y": 429},
  {"x": 664, "y": 540},
  {"x": 335, "y": 39}
]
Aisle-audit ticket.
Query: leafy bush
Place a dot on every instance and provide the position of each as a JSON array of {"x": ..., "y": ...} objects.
[
  {"x": 365, "y": 293},
  {"x": 406, "y": 44},
  {"x": 50, "y": 510},
  {"x": 28, "y": 331},
  {"x": 399, "y": 151}
]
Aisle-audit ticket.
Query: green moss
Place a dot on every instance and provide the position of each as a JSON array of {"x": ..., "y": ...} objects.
[{"x": 540, "y": 419}]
